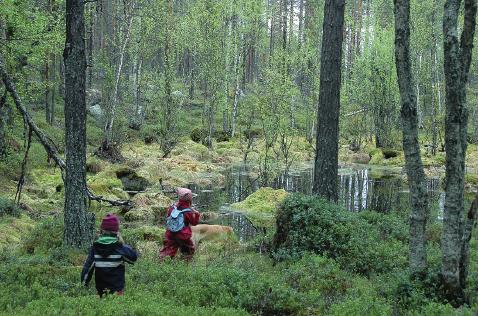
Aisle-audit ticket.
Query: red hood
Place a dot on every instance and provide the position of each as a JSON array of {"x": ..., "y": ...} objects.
[{"x": 183, "y": 204}]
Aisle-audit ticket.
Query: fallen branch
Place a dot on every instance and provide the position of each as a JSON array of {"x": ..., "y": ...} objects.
[
  {"x": 21, "y": 181},
  {"x": 354, "y": 113},
  {"x": 44, "y": 140},
  {"x": 48, "y": 144},
  {"x": 93, "y": 197}
]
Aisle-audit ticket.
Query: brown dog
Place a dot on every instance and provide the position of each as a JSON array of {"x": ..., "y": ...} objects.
[{"x": 209, "y": 232}]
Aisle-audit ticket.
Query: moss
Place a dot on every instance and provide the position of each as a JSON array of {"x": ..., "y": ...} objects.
[
  {"x": 94, "y": 165},
  {"x": 261, "y": 205},
  {"x": 143, "y": 215},
  {"x": 12, "y": 230},
  {"x": 106, "y": 184},
  {"x": 376, "y": 157},
  {"x": 192, "y": 149},
  {"x": 149, "y": 206},
  {"x": 381, "y": 172},
  {"x": 471, "y": 179}
]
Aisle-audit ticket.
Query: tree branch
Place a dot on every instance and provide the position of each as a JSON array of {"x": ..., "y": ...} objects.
[{"x": 46, "y": 141}]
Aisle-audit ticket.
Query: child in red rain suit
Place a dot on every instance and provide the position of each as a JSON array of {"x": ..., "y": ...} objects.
[{"x": 181, "y": 239}]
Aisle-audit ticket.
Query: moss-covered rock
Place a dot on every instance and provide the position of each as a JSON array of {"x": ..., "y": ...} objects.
[
  {"x": 261, "y": 205},
  {"x": 131, "y": 180},
  {"x": 359, "y": 158},
  {"x": 139, "y": 214},
  {"x": 94, "y": 165},
  {"x": 107, "y": 184},
  {"x": 150, "y": 203}
]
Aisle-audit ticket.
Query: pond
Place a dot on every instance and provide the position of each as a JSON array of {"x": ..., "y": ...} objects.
[{"x": 361, "y": 187}]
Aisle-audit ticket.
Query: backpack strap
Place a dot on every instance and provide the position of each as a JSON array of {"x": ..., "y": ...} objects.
[{"x": 175, "y": 212}]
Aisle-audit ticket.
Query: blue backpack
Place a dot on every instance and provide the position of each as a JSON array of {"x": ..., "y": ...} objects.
[{"x": 175, "y": 221}]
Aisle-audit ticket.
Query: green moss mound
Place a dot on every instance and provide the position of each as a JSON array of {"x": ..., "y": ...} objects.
[
  {"x": 264, "y": 200},
  {"x": 261, "y": 205}
]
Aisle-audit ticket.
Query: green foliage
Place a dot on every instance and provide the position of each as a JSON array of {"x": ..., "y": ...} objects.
[
  {"x": 222, "y": 136},
  {"x": 316, "y": 274},
  {"x": 307, "y": 223},
  {"x": 389, "y": 153},
  {"x": 8, "y": 208},
  {"x": 198, "y": 135},
  {"x": 362, "y": 306},
  {"x": 46, "y": 235},
  {"x": 150, "y": 133}
]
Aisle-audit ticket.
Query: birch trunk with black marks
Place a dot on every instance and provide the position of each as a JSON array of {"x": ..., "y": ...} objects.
[
  {"x": 79, "y": 223},
  {"x": 326, "y": 159},
  {"x": 108, "y": 129},
  {"x": 411, "y": 146},
  {"x": 457, "y": 60}
]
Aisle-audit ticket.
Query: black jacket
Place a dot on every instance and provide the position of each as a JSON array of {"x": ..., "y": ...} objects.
[{"x": 107, "y": 258}]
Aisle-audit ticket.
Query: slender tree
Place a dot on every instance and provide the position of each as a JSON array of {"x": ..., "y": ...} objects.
[
  {"x": 411, "y": 147},
  {"x": 78, "y": 223},
  {"x": 326, "y": 159},
  {"x": 456, "y": 66}
]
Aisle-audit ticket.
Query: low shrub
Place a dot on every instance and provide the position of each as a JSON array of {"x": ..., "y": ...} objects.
[
  {"x": 252, "y": 133},
  {"x": 389, "y": 153},
  {"x": 8, "y": 208},
  {"x": 318, "y": 274},
  {"x": 222, "y": 136},
  {"x": 309, "y": 224},
  {"x": 47, "y": 235},
  {"x": 198, "y": 135},
  {"x": 150, "y": 133}
]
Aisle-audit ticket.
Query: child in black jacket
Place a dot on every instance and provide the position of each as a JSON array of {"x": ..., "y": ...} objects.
[{"x": 107, "y": 257}]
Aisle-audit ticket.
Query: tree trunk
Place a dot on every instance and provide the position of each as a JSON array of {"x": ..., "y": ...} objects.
[
  {"x": 91, "y": 28},
  {"x": 78, "y": 222},
  {"x": 326, "y": 160},
  {"x": 359, "y": 27},
  {"x": 52, "y": 88},
  {"x": 47, "y": 91},
  {"x": 411, "y": 147},
  {"x": 3, "y": 121},
  {"x": 456, "y": 66},
  {"x": 301, "y": 23},
  {"x": 108, "y": 129}
]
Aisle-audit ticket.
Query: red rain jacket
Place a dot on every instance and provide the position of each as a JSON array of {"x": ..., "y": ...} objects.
[{"x": 190, "y": 219}]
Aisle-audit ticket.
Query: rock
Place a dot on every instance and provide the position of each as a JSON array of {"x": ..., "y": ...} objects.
[
  {"x": 360, "y": 158},
  {"x": 131, "y": 181},
  {"x": 96, "y": 111},
  {"x": 93, "y": 97}
]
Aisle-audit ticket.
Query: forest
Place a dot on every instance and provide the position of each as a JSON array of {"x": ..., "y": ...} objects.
[{"x": 330, "y": 148}]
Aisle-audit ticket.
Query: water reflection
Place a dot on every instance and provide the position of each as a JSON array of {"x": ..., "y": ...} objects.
[{"x": 360, "y": 188}]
